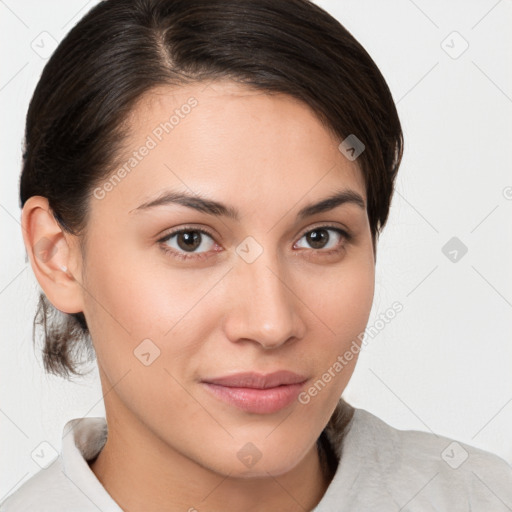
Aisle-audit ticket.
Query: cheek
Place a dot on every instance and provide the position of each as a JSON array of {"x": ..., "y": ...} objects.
[
  {"x": 132, "y": 291},
  {"x": 342, "y": 305},
  {"x": 135, "y": 320},
  {"x": 130, "y": 302},
  {"x": 342, "y": 298}
]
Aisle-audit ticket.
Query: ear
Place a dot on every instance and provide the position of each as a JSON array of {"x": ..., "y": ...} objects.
[{"x": 54, "y": 255}]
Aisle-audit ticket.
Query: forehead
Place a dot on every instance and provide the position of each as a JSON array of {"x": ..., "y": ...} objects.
[{"x": 230, "y": 142}]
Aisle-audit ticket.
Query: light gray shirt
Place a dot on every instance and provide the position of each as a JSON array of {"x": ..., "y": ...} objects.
[{"x": 381, "y": 469}]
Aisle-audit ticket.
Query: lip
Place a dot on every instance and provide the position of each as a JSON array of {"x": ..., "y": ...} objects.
[{"x": 257, "y": 393}]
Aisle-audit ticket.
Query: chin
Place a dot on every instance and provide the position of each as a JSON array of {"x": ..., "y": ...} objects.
[{"x": 261, "y": 471}]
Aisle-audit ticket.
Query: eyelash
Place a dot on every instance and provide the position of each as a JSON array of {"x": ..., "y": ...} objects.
[{"x": 185, "y": 256}]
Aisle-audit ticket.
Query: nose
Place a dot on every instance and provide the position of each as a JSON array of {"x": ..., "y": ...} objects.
[{"x": 264, "y": 307}]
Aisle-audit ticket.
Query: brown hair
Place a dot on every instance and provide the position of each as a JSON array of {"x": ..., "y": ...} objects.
[{"x": 121, "y": 49}]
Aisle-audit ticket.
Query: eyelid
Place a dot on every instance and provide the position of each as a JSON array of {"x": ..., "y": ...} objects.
[
  {"x": 187, "y": 227},
  {"x": 327, "y": 225}
]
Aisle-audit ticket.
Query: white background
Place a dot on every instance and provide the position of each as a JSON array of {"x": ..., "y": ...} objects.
[{"x": 444, "y": 363}]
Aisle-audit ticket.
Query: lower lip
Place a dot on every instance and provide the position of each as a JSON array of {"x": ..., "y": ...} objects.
[{"x": 259, "y": 401}]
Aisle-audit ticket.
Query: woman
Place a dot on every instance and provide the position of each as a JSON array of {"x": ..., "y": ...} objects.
[{"x": 203, "y": 187}]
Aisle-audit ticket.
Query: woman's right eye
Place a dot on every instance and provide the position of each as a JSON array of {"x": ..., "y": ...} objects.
[{"x": 182, "y": 243}]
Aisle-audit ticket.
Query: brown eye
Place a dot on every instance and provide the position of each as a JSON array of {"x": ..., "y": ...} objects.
[
  {"x": 318, "y": 238},
  {"x": 188, "y": 240},
  {"x": 321, "y": 238},
  {"x": 185, "y": 242}
]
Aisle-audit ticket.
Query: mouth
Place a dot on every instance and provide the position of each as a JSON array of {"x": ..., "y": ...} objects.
[{"x": 257, "y": 393}]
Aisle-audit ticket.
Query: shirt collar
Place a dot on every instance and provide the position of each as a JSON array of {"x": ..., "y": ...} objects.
[{"x": 82, "y": 440}]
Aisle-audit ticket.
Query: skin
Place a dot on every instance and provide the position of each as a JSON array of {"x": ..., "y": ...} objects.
[{"x": 171, "y": 444}]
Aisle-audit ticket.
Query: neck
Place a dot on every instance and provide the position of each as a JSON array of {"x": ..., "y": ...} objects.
[{"x": 142, "y": 472}]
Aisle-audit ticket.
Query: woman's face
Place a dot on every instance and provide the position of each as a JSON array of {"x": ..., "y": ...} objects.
[{"x": 262, "y": 289}]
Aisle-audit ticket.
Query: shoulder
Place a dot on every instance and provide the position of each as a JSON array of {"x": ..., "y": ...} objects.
[
  {"x": 424, "y": 467},
  {"x": 47, "y": 490},
  {"x": 422, "y": 470},
  {"x": 67, "y": 483},
  {"x": 426, "y": 449}
]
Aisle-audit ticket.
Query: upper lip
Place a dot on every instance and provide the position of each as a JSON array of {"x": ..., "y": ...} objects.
[{"x": 258, "y": 380}]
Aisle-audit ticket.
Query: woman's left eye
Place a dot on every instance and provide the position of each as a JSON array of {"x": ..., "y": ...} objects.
[
  {"x": 183, "y": 243},
  {"x": 319, "y": 238}
]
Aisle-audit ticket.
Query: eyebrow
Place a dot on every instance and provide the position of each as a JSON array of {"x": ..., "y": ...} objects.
[{"x": 218, "y": 209}]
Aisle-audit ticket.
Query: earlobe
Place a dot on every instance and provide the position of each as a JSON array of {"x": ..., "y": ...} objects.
[{"x": 54, "y": 259}]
